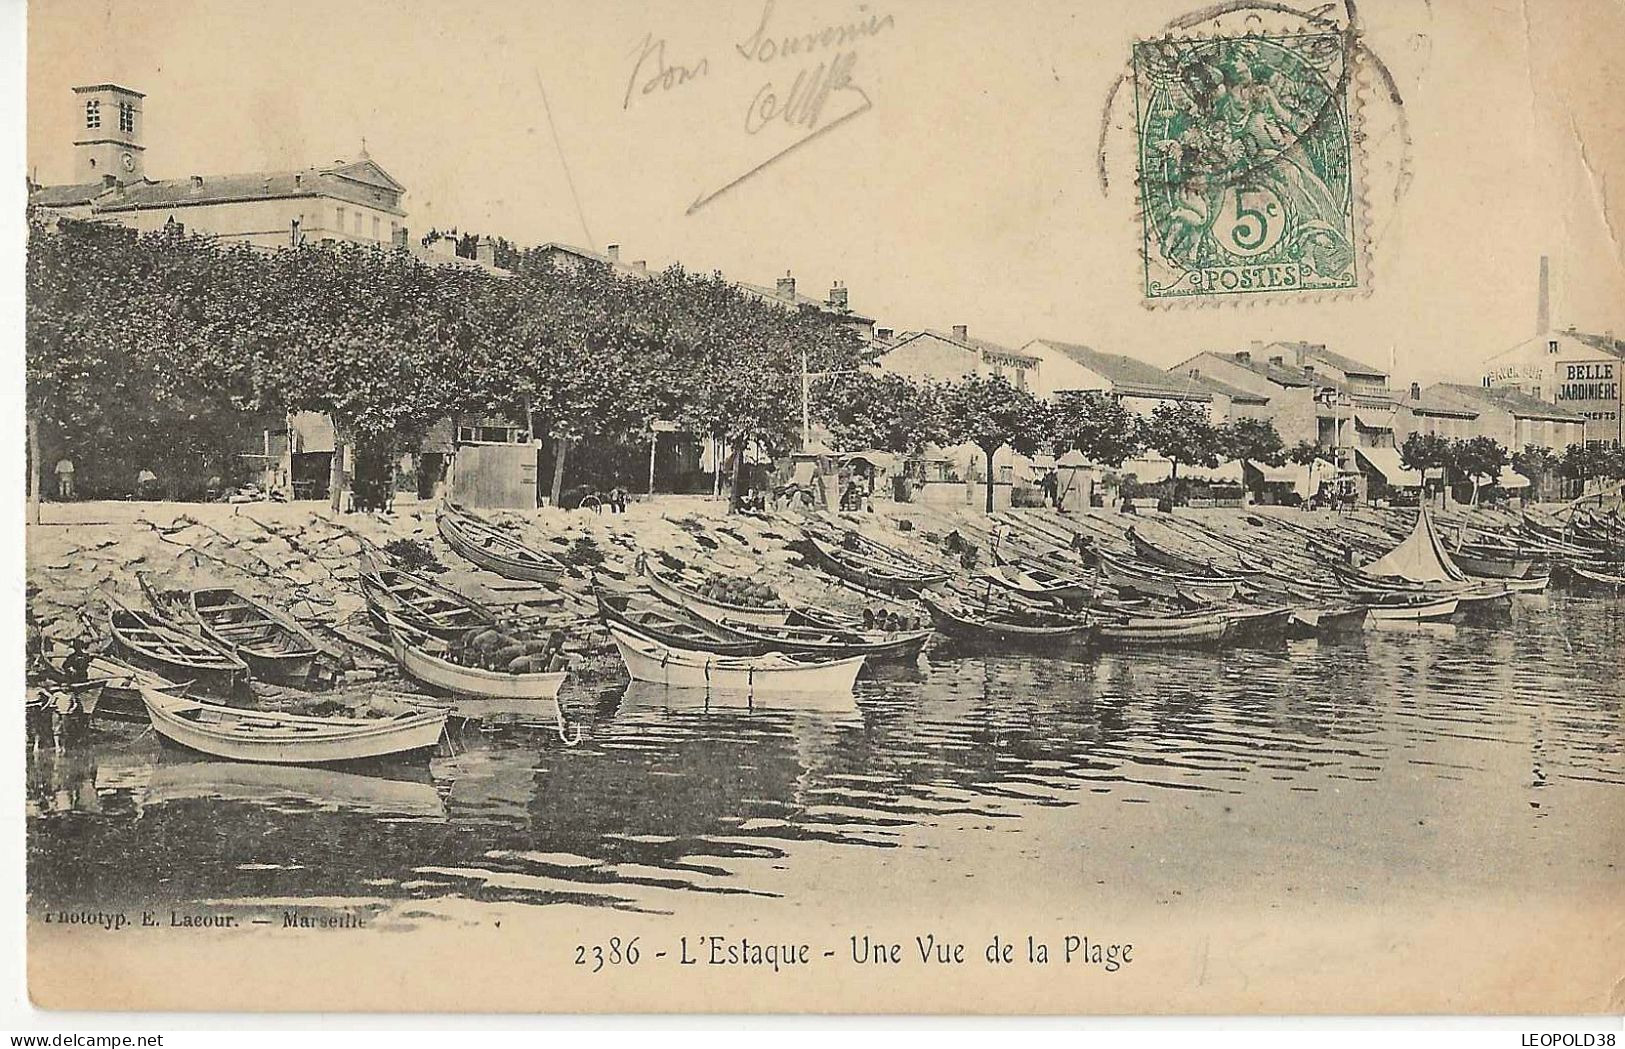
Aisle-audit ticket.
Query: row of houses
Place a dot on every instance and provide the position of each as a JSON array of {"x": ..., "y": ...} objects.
[{"x": 1554, "y": 390}]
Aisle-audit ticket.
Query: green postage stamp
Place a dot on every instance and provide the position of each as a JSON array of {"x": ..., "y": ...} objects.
[{"x": 1245, "y": 164}]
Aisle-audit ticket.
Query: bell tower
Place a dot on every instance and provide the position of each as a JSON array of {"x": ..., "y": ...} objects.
[{"x": 109, "y": 122}]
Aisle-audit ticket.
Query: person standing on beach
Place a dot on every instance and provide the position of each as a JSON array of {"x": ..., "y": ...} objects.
[{"x": 64, "y": 478}]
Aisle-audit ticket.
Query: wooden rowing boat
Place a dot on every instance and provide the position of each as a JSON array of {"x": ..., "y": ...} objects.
[
  {"x": 1258, "y": 623},
  {"x": 1178, "y": 563},
  {"x": 1147, "y": 579},
  {"x": 1484, "y": 565},
  {"x": 1419, "y": 608},
  {"x": 889, "y": 575},
  {"x": 684, "y": 592},
  {"x": 834, "y": 643},
  {"x": 274, "y": 646},
  {"x": 1038, "y": 583},
  {"x": 1004, "y": 626},
  {"x": 153, "y": 642},
  {"x": 648, "y": 660},
  {"x": 1328, "y": 620},
  {"x": 287, "y": 739},
  {"x": 1162, "y": 631},
  {"x": 419, "y": 602},
  {"x": 1591, "y": 579},
  {"x": 494, "y": 549},
  {"x": 673, "y": 625},
  {"x": 425, "y": 658}
]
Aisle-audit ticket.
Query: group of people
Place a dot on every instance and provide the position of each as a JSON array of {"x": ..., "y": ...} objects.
[{"x": 146, "y": 482}]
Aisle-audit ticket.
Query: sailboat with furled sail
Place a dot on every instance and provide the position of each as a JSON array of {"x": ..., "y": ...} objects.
[{"x": 1420, "y": 564}]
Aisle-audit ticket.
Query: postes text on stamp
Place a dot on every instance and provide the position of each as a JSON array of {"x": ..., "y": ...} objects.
[{"x": 1245, "y": 164}]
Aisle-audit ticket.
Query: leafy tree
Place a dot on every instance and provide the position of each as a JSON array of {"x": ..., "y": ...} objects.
[
  {"x": 1426, "y": 451},
  {"x": 1252, "y": 439},
  {"x": 1477, "y": 457},
  {"x": 1304, "y": 453},
  {"x": 1097, "y": 425},
  {"x": 875, "y": 409},
  {"x": 1538, "y": 463},
  {"x": 1183, "y": 433},
  {"x": 989, "y": 412}
]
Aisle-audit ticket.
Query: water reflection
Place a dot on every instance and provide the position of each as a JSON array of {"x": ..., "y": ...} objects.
[{"x": 675, "y": 792}]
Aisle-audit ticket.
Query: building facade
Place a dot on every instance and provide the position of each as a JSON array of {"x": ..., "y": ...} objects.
[
  {"x": 1576, "y": 371},
  {"x": 946, "y": 356},
  {"x": 1066, "y": 367}
]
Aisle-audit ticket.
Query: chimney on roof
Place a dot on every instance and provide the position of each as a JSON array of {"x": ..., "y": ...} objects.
[
  {"x": 641, "y": 265},
  {"x": 485, "y": 250},
  {"x": 1244, "y": 357},
  {"x": 837, "y": 296},
  {"x": 400, "y": 236},
  {"x": 1416, "y": 391},
  {"x": 961, "y": 332},
  {"x": 614, "y": 252},
  {"x": 883, "y": 334},
  {"x": 109, "y": 181},
  {"x": 446, "y": 245},
  {"x": 1278, "y": 359},
  {"x": 1309, "y": 372},
  {"x": 1257, "y": 347},
  {"x": 787, "y": 286},
  {"x": 1543, "y": 307},
  {"x": 298, "y": 180},
  {"x": 197, "y": 182}
]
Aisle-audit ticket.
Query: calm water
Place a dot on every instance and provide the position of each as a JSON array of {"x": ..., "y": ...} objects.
[{"x": 1457, "y": 756}]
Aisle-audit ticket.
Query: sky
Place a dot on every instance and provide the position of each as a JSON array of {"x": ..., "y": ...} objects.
[{"x": 966, "y": 192}]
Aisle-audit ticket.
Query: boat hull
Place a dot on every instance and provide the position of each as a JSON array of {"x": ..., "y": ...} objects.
[
  {"x": 704, "y": 606},
  {"x": 472, "y": 681},
  {"x": 1174, "y": 632},
  {"x": 872, "y": 574},
  {"x": 662, "y": 665},
  {"x": 321, "y": 740},
  {"x": 1424, "y": 611},
  {"x": 987, "y": 631},
  {"x": 496, "y": 552}
]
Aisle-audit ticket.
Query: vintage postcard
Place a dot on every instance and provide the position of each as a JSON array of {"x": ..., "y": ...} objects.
[{"x": 869, "y": 506}]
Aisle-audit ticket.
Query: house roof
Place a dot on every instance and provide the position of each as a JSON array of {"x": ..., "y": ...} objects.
[
  {"x": 1347, "y": 365},
  {"x": 1235, "y": 393},
  {"x": 68, "y": 196},
  {"x": 593, "y": 256},
  {"x": 1519, "y": 404},
  {"x": 981, "y": 346},
  {"x": 1435, "y": 406},
  {"x": 772, "y": 295},
  {"x": 345, "y": 180},
  {"x": 1129, "y": 375},
  {"x": 1606, "y": 343}
]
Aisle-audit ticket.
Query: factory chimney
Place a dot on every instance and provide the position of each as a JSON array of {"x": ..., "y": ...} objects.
[{"x": 1543, "y": 312}]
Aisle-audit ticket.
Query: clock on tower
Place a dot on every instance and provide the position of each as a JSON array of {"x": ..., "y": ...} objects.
[{"x": 109, "y": 121}]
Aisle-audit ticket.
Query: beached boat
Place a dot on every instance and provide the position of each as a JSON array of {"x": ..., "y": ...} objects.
[
  {"x": 673, "y": 625},
  {"x": 1147, "y": 579},
  {"x": 1327, "y": 621},
  {"x": 1004, "y": 626},
  {"x": 1482, "y": 564},
  {"x": 1173, "y": 561},
  {"x": 887, "y": 575},
  {"x": 684, "y": 591},
  {"x": 419, "y": 602},
  {"x": 1249, "y": 623},
  {"x": 1154, "y": 631},
  {"x": 150, "y": 641},
  {"x": 287, "y": 739},
  {"x": 1419, "y": 608},
  {"x": 274, "y": 646},
  {"x": 426, "y": 658},
  {"x": 494, "y": 549},
  {"x": 1037, "y": 583},
  {"x": 833, "y": 643},
  {"x": 1591, "y": 579},
  {"x": 648, "y": 660}
]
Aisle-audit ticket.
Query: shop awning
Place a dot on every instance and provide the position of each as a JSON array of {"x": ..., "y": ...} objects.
[
  {"x": 1371, "y": 419},
  {"x": 1388, "y": 465},
  {"x": 1229, "y": 471},
  {"x": 872, "y": 456},
  {"x": 1514, "y": 479},
  {"x": 1288, "y": 474}
]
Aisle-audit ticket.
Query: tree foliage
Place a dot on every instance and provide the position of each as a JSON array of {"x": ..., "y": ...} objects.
[
  {"x": 1097, "y": 425},
  {"x": 1255, "y": 440},
  {"x": 987, "y": 411},
  {"x": 1182, "y": 432}
]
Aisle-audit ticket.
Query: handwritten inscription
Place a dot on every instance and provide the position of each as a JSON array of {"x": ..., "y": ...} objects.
[
  {"x": 652, "y": 73},
  {"x": 823, "y": 57}
]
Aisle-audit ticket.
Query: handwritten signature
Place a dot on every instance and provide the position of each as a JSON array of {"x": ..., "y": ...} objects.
[{"x": 828, "y": 55}]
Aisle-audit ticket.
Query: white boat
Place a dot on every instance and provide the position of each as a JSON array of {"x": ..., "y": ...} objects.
[
  {"x": 1419, "y": 609},
  {"x": 684, "y": 592},
  {"x": 286, "y": 739},
  {"x": 419, "y": 655},
  {"x": 649, "y": 660}
]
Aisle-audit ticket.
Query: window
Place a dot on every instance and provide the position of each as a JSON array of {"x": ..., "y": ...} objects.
[
  {"x": 1551, "y": 347},
  {"x": 93, "y": 113},
  {"x": 377, "y": 224},
  {"x": 126, "y": 117},
  {"x": 358, "y": 222},
  {"x": 340, "y": 224},
  {"x": 394, "y": 231}
]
